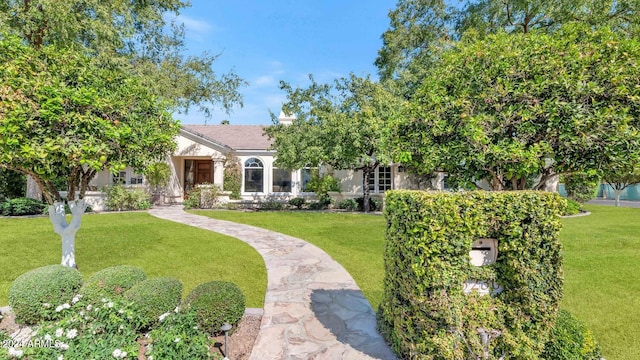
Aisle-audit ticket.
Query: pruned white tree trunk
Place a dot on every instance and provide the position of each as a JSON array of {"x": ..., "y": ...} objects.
[
  {"x": 67, "y": 231},
  {"x": 617, "y": 194}
]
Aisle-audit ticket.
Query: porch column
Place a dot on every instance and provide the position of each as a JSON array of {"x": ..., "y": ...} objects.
[{"x": 218, "y": 171}]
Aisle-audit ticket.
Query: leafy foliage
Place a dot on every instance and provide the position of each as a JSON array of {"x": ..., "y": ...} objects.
[
  {"x": 204, "y": 196},
  {"x": 154, "y": 297},
  {"x": 341, "y": 125},
  {"x": 111, "y": 282},
  {"x": 424, "y": 312},
  {"x": 158, "y": 175},
  {"x": 13, "y": 184},
  {"x": 232, "y": 176},
  {"x": 349, "y": 204},
  {"x": 270, "y": 205},
  {"x": 215, "y": 303},
  {"x": 571, "y": 340},
  {"x": 178, "y": 338},
  {"x": 573, "y": 208},
  {"x": 581, "y": 187},
  {"x": 22, "y": 206},
  {"x": 321, "y": 185},
  {"x": 34, "y": 294},
  {"x": 298, "y": 202},
  {"x": 374, "y": 204},
  {"x": 120, "y": 198},
  {"x": 512, "y": 108}
]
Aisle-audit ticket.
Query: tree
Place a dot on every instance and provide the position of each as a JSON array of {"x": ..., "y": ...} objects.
[
  {"x": 621, "y": 177},
  {"x": 341, "y": 125},
  {"x": 158, "y": 175},
  {"x": 519, "y": 109},
  {"x": 420, "y": 29},
  {"x": 67, "y": 115},
  {"x": 133, "y": 32}
]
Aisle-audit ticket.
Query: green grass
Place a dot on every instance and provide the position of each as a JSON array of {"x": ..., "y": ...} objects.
[
  {"x": 159, "y": 247},
  {"x": 602, "y": 263}
]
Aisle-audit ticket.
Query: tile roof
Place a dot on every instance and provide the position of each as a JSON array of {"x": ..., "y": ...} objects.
[{"x": 237, "y": 137}]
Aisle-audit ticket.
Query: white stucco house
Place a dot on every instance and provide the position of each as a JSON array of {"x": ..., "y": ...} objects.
[{"x": 202, "y": 150}]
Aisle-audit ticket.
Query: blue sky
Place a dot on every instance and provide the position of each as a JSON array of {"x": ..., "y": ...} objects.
[{"x": 268, "y": 41}]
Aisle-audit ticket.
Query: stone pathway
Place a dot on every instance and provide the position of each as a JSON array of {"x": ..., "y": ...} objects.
[{"x": 313, "y": 308}]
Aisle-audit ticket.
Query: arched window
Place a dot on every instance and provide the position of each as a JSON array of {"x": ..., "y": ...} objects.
[{"x": 253, "y": 175}]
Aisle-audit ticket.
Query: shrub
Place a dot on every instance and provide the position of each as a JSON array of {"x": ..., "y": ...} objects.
[
  {"x": 348, "y": 204},
  {"x": 573, "y": 207},
  {"x": 22, "y": 206},
  {"x": 202, "y": 197},
  {"x": 425, "y": 312},
  {"x": 215, "y": 303},
  {"x": 321, "y": 185},
  {"x": 177, "y": 338},
  {"x": 581, "y": 187},
  {"x": 154, "y": 297},
  {"x": 374, "y": 204},
  {"x": 571, "y": 340},
  {"x": 89, "y": 331},
  {"x": 34, "y": 294},
  {"x": 270, "y": 205},
  {"x": 232, "y": 177},
  {"x": 297, "y": 202},
  {"x": 111, "y": 282},
  {"x": 120, "y": 198}
]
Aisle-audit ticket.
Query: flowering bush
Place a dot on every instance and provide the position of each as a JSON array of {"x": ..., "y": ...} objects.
[
  {"x": 179, "y": 337},
  {"x": 153, "y": 297},
  {"x": 99, "y": 331},
  {"x": 215, "y": 303},
  {"x": 111, "y": 282}
]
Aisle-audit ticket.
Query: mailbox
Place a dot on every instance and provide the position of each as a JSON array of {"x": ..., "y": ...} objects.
[{"x": 484, "y": 252}]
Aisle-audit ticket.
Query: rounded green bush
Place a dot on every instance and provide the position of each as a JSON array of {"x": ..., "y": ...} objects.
[
  {"x": 570, "y": 339},
  {"x": 215, "y": 303},
  {"x": 154, "y": 297},
  {"x": 34, "y": 295},
  {"x": 111, "y": 282}
]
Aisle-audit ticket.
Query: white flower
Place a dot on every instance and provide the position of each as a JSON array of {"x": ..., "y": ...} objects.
[
  {"x": 104, "y": 300},
  {"x": 110, "y": 304},
  {"x": 72, "y": 333},
  {"x": 15, "y": 353},
  {"x": 81, "y": 312},
  {"x": 75, "y": 299},
  {"x": 176, "y": 309},
  {"x": 124, "y": 354},
  {"x": 121, "y": 311},
  {"x": 177, "y": 340},
  {"x": 61, "y": 357},
  {"x": 63, "y": 346},
  {"x": 47, "y": 305},
  {"x": 163, "y": 316},
  {"x": 59, "y": 308},
  {"x": 116, "y": 353},
  {"x": 89, "y": 307},
  {"x": 59, "y": 332},
  {"x": 150, "y": 357},
  {"x": 195, "y": 327},
  {"x": 47, "y": 337}
]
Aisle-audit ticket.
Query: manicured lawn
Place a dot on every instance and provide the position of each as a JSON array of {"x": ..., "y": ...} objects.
[
  {"x": 159, "y": 247},
  {"x": 602, "y": 263}
]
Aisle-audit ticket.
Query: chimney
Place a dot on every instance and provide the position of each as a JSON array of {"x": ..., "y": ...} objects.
[{"x": 286, "y": 119}]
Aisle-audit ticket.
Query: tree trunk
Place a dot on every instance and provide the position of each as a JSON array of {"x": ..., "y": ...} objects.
[
  {"x": 67, "y": 231},
  {"x": 33, "y": 190},
  {"x": 366, "y": 174},
  {"x": 617, "y": 192}
]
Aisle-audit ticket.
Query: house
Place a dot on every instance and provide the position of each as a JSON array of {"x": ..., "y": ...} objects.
[{"x": 201, "y": 153}]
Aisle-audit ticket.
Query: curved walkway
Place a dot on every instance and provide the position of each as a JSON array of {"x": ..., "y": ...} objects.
[{"x": 313, "y": 308}]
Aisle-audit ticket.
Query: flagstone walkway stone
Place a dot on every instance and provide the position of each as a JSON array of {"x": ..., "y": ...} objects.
[{"x": 313, "y": 308}]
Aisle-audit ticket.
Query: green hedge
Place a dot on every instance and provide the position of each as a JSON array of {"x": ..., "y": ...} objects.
[
  {"x": 215, "y": 303},
  {"x": 425, "y": 314},
  {"x": 35, "y": 295},
  {"x": 22, "y": 206},
  {"x": 111, "y": 283},
  {"x": 154, "y": 297}
]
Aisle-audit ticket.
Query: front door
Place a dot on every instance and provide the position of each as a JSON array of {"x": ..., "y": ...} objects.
[{"x": 197, "y": 172}]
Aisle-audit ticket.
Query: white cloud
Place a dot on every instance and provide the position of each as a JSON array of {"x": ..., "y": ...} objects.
[
  {"x": 193, "y": 25},
  {"x": 265, "y": 80}
]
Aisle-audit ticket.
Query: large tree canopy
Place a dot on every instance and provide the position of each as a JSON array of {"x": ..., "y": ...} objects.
[
  {"x": 341, "y": 124},
  {"x": 419, "y": 29},
  {"x": 510, "y": 107},
  {"x": 132, "y": 31}
]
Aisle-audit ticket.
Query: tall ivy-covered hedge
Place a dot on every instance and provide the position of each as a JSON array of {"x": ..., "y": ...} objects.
[{"x": 425, "y": 314}]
